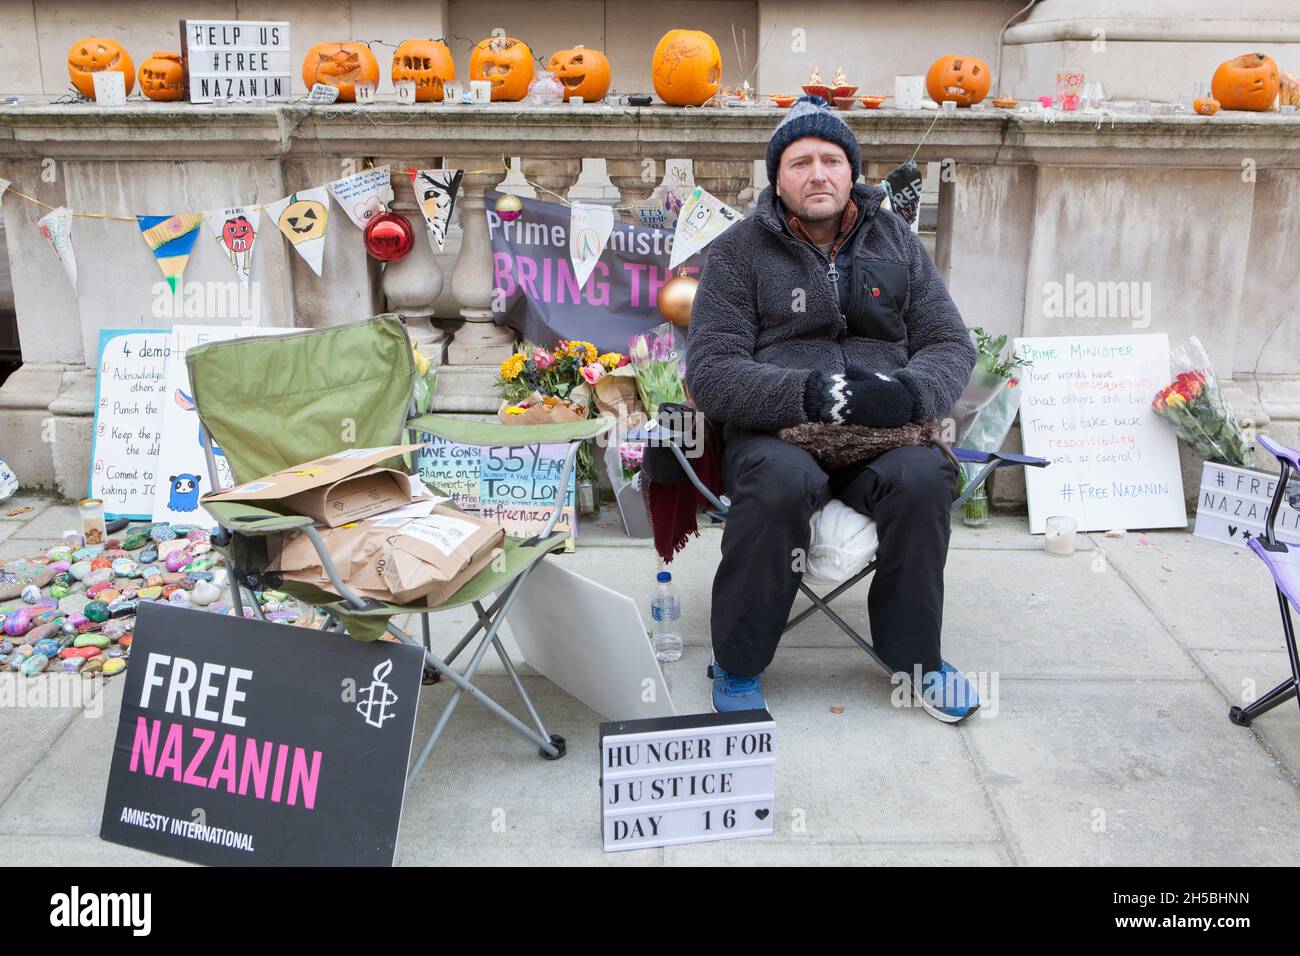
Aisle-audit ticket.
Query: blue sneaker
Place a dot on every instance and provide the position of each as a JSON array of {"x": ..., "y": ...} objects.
[
  {"x": 946, "y": 695},
  {"x": 732, "y": 692}
]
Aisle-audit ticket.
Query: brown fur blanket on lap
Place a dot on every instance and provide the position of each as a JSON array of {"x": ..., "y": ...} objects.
[{"x": 840, "y": 446}]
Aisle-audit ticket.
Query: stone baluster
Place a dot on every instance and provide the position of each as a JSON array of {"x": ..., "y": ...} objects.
[
  {"x": 480, "y": 341},
  {"x": 412, "y": 284}
]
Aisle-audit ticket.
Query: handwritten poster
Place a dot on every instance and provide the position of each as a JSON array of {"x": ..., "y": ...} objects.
[
  {"x": 518, "y": 486},
  {"x": 452, "y": 468},
  {"x": 1086, "y": 408},
  {"x": 182, "y": 466},
  {"x": 131, "y": 380},
  {"x": 1233, "y": 505},
  {"x": 363, "y": 195}
]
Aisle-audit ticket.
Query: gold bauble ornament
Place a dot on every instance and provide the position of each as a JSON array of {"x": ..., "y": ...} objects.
[
  {"x": 509, "y": 207},
  {"x": 676, "y": 297}
]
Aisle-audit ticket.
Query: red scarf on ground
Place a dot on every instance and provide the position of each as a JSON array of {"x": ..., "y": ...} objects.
[{"x": 673, "y": 508}]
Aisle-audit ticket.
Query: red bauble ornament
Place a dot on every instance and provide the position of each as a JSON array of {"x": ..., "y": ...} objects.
[{"x": 389, "y": 237}]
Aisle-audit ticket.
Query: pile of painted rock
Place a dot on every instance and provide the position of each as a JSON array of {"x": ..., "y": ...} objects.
[{"x": 76, "y": 609}]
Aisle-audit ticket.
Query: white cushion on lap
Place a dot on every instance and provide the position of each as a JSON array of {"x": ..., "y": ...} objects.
[{"x": 843, "y": 543}]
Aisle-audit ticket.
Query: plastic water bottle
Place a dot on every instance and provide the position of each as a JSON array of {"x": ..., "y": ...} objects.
[{"x": 666, "y": 612}]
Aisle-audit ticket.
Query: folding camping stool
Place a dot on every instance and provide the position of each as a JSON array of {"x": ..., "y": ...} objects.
[
  {"x": 660, "y": 433},
  {"x": 1283, "y": 561},
  {"x": 268, "y": 402}
]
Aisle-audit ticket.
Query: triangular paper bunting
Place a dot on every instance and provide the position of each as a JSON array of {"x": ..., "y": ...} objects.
[
  {"x": 364, "y": 195},
  {"x": 436, "y": 190},
  {"x": 171, "y": 238},
  {"x": 702, "y": 219},
  {"x": 4, "y": 184},
  {"x": 235, "y": 230},
  {"x": 56, "y": 226},
  {"x": 589, "y": 229},
  {"x": 302, "y": 218}
]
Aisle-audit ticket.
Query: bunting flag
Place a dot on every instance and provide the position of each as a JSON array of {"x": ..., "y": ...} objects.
[
  {"x": 702, "y": 219},
  {"x": 436, "y": 191},
  {"x": 4, "y": 184},
  {"x": 56, "y": 226},
  {"x": 302, "y": 218},
  {"x": 171, "y": 238},
  {"x": 589, "y": 229},
  {"x": 363, "y": 195},
  {"x": 235, "y": 230}
]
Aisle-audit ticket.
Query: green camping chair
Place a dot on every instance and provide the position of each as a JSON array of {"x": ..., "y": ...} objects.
[{"x": 268, "y": 402}]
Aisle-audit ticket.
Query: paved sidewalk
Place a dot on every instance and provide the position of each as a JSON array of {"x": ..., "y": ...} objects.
[{"x": 1107, "y": 741}]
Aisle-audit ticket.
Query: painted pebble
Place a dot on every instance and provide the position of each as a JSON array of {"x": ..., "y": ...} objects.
[
  {"x": 31, "y": 594},
  {"x": 96, "y": 612},
  {"x": 91, "y": 640},
  {"x": 126, "y": 568},
  {"x": 177, "y": 560},
  {"x": 114, "y": 665},
  {"x": 35, "y": 664}
]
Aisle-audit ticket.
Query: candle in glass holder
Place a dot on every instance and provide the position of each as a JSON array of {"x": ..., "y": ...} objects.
[
  {"x": 1059, "y": 536},
  {"x": 453, "y": 92},
  {"x": 92, "y": 521},
  {"x": 365, "y": 92},
  {"x": 481, "y": 91},
  {"x": 405, "y": 90}
]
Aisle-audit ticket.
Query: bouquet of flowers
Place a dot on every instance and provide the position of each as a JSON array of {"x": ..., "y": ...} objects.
[
  {"x": 556, "y": 372},
  {"x": 630, "y": 455},
  {"x": 553, "y": 385},
  {"x": 1193, "y": 404},
  {"x": 658, "y": 366}
]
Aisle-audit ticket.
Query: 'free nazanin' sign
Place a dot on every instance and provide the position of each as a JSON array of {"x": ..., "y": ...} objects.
[
  {"x": 687, "y": 779},
  {"x": 236, "y": 59}
]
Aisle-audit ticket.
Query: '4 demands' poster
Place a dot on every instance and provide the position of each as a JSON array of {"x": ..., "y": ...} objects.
[
  {"x": 182, "y": 469},
  {"x": 1087, "y": 409}
]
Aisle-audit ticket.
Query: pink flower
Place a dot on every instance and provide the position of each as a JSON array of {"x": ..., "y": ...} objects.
[
  {"x": 593, "y": 373},
  {"x": 542, "y": 359}
]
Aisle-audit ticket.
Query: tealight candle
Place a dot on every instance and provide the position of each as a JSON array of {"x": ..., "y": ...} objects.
[{"x": 1059, "y": 536}]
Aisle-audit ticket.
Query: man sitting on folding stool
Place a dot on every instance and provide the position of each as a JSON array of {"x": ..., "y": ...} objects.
[{"x": 823, "y": 307}]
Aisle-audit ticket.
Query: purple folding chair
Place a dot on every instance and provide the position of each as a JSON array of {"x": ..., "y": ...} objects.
[{"x": 1284, "y": 563}]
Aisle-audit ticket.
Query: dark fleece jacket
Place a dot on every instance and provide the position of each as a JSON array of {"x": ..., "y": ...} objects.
[{"x": 752, "y": 348}]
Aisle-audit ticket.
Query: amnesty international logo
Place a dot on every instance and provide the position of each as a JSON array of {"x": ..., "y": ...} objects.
[{"x": 376, "y": 697}]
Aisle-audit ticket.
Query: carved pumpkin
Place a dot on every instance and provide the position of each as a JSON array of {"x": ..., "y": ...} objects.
[
  {"x": 1206, "y": 107},
  {"x": 1248, "y": 82},
  {"x": 963, "y": 80},
  {"x": 581, "y": 72},
  {"x": 162, "y": 76},
  {"x": 426, "y": 62},
  {"x": 686, "y": 68},
  {"x": 507, "y": 63},
  {"x": 91, "y": 55},
  {"x": 341, "y": 65}
]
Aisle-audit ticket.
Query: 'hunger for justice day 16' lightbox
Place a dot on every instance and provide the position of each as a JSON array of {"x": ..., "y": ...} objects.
[{"x": 689, "y": 779}]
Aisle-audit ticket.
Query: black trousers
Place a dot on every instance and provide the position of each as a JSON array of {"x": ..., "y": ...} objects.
[{"x": 774, "y": 489}]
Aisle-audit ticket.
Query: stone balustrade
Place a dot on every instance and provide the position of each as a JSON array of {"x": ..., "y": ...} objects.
[{"x": 1199, "y": 212}]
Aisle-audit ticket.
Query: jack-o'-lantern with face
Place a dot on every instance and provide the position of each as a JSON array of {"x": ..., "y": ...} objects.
[
  {"x": 505, "y": 62},
  {"x": 428, "y": 64},
  {"x": 963, "y": 80},
  {"x": 91, "y": 55},
  {"x": 162, "y": 76},
  {"x": 686, "y": 67},
  {"x": 303, "y": 220},
  {"x": 581, "y": 72},
  {"x": 340, "y": 65}
]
